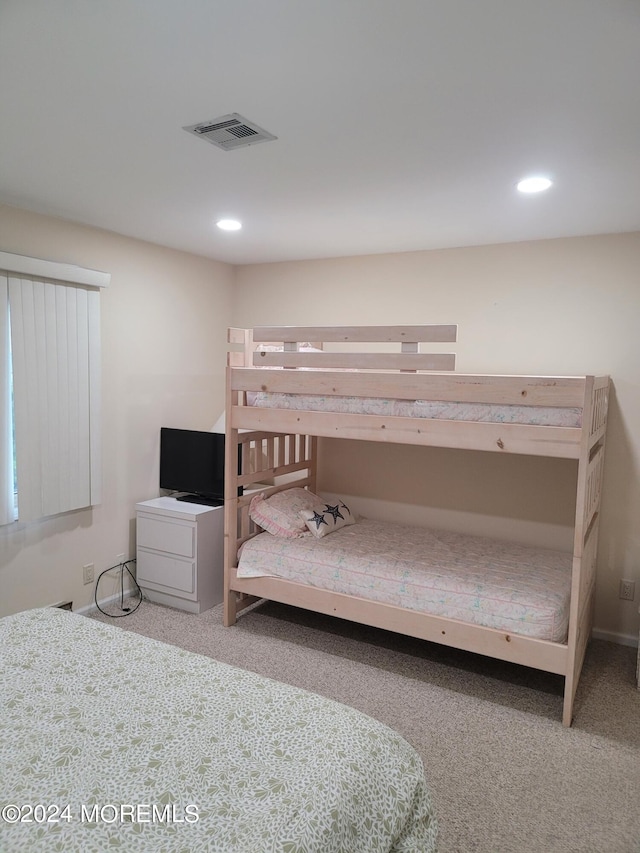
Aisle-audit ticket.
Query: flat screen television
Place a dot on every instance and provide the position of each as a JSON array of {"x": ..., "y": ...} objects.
[{"x": 192, "y": 461}]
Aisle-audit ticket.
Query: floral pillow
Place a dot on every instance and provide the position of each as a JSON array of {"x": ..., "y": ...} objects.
[
  {"x": 325, "y": 517},
  {"x": 279, "y": 514}
]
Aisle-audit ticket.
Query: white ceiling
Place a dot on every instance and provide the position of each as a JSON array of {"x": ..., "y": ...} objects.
[{"x": 401, "y": 124}]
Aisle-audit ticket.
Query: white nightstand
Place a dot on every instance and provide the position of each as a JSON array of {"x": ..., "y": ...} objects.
[{"x": 179, "y": 554}]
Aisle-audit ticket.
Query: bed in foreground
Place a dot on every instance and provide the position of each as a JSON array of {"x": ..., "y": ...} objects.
[{"x": 111, "y": 740}]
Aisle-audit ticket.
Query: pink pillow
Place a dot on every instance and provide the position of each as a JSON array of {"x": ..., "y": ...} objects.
[{"x": 279, "y": 514}]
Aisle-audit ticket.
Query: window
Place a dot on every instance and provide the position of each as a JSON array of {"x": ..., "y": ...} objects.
[
  {"x": 7, "y": 445},
  {"x": 49, "y": 388}
]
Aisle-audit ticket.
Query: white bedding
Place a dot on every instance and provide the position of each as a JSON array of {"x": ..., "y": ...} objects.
[
  {"x": 500, "y": 585},
  {"x": 440, "y": 410},
  {"x": 114, "y": 741}
]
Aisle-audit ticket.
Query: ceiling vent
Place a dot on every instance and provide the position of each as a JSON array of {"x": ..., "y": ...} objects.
[{"x": 230, "y": 131}]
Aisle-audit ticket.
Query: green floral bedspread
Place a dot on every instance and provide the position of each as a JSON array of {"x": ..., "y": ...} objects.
[{"x": 112, "y": 741}]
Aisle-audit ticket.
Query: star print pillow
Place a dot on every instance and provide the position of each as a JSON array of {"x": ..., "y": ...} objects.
[{"x": 325, "y": 517}]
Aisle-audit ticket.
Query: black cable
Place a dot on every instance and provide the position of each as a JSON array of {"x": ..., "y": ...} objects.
[{"x": 126, "y": 611}]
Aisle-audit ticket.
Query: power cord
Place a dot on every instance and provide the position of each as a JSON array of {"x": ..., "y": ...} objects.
[{"x": 126, "y": 611}]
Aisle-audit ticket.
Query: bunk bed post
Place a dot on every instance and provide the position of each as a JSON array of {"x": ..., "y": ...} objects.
[
  {"x": 585, "y": 544},
  {"x": 230, "y": 510},
  {"x": 248, "y": 346},
  {"x": 234, "y": 359}
]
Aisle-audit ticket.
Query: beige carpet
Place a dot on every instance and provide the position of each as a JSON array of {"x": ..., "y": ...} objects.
[{"x": 505, "y": 775}]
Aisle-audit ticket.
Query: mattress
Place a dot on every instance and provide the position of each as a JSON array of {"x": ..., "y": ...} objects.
[
  {"x": 473, "y": 579},
  {"x": 114, "y": 741},
  {"x": 439, "y": 410}
]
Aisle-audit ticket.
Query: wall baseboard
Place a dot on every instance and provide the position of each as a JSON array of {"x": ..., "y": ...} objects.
[
  {"x": 91, "y": 608},
  {"x": 615, "y": 637}
]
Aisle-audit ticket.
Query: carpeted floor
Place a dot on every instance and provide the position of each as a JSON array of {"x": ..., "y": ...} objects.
[{"x": 505, "y": 775}]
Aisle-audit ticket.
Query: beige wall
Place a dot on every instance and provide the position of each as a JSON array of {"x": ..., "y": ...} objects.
[
  {"x": 561, "y": 306},
  {"x": 164, "y": 319},
  {"x": 549, "y": 307}
]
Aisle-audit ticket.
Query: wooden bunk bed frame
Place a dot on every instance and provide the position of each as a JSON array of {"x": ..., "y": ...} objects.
[{"x": 276, "y": 442}]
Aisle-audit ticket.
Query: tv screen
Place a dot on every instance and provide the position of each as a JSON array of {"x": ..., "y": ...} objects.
[{"x": 193, "y": 462}]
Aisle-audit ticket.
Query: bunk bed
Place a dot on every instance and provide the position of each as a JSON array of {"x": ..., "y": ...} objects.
[{"x": 284, "y": 393}]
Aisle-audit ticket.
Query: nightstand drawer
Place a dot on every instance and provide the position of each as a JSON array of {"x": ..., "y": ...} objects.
[
  {"x": 161, "y": 534},
  {"x": 165, "y": 573}
]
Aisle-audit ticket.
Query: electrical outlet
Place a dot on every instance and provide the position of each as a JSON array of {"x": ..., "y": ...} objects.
[
  {"x": 87, "y": 573},
  {"x": 120, "y": 559},
  {"x": 627, "y": 590}
]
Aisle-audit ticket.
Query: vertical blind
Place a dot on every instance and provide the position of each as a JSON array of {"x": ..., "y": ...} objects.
[
  {"x": 7, "y": 503},
  {"x": 55, "y": 351}
]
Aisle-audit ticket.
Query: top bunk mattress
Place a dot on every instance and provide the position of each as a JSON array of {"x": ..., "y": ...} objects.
[
  {"x": 436, "y": 409},
  {"x": 501, "y": 585}
]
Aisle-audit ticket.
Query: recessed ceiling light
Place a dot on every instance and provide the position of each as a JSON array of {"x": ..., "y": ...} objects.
[
  {"x": 536, "y": 184},
  {"x": 229, "y": 224}
]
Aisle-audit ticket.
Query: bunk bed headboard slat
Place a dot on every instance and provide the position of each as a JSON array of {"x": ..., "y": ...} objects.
[
  {"x": 359, "y": 361},
  {"x": 357, "y": 334}
]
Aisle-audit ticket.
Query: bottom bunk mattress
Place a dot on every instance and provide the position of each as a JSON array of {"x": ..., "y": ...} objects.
[
  {"x": 502, "y": 585},
  {"x": 114, "y": 741}
]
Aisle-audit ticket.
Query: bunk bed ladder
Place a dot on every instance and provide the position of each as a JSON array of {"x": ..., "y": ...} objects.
[{"x": 263, "y": 457}]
